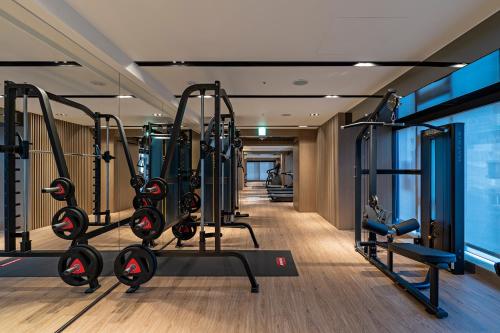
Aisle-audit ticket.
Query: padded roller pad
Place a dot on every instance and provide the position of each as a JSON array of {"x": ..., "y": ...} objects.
[
  {"x": 406, "y": 227},
  {"x": 422, "y": 254},
  {"x": 376, "y": 227}
]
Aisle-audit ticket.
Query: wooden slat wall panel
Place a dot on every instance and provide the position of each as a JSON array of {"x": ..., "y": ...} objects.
[{"x": 75, "y": 139}]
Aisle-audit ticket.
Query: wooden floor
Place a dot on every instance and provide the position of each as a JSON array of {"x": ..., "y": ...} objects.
[{"x": 337, "y": 290}]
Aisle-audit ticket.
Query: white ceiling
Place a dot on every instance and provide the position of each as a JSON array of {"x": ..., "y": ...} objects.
[
  {"x": 61, "y": 80},
  {"x": 253, "y": 30},
  {"x": 19, "y": 45},
  {"x": 132, "y": 112},
  {"x": 283, "y": 29}
]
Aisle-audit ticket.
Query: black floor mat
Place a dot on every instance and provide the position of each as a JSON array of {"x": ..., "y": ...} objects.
[{"x": 263, "y": 263}]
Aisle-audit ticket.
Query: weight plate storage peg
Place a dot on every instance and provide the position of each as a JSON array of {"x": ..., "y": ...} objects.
[
  {"x": 135, "y": 265},
  {"x": 147, "y": 223},
  {"x": 81, "y": 264},
  {"x": 141, "y": 201},
  {"x": 156, "y": 189},
  {"x": 70, "y": 222}
]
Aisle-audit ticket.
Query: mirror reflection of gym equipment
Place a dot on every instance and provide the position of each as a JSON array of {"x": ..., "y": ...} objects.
[{"x": 281, "y": 166}]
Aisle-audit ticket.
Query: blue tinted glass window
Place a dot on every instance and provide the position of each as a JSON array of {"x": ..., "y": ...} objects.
[
  {"x": 482, "y": 175},
  {"x": 256, "y": 170},
  {"x": 408, "y": 185}
]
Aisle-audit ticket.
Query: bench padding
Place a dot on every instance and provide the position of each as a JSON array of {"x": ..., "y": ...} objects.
[{"x": 422, "y": 254}]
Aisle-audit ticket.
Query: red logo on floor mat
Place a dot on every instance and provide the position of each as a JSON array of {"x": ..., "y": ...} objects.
[{"x": 281, "y": 261}]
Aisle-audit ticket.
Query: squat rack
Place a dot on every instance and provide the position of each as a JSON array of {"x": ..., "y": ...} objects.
[
  {"x": 10, "y": 148},
  {"x": 219, "y": 94}
]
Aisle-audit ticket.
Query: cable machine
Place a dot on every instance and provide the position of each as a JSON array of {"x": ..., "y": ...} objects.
[{"x": 440, "y": 243}]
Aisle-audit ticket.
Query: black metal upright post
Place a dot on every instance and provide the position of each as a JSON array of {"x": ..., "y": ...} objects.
[
  {"x": 9, "y": 168},
  {"x": 442, "y": 188},
  {"x": 457, "y": 196},
  {"x": 357, "y": 192},
  {"x": 372, "y": 185},
  {"x": 97, "y": 168},
  {"x": 217, "y": 168},
  {"x": 234, "y": 168},
  {"x": 55, "y": 141},
  {"x": 373, "y": 162}
]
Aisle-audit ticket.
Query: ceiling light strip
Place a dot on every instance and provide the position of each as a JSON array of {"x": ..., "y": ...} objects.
[
  {"x": 89, "y": 96},
  {"x": 39, "y": 64},
  {"x": 298, "y": 63},
  {"x": 293, "y": 96}
]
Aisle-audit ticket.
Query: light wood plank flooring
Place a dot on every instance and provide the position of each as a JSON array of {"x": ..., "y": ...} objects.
[{"x": 337, "y": 290}]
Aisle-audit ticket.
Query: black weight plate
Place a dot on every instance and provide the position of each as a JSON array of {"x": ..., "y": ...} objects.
[
  {"x": 147, "y": 223},
  {"x": 160, "y": 189},
  {"x": 87, "y": 262},
  {"x": 184, "y": 231},
  {"x": 85, "y": 219},
  {"x": 195, "y": 181},
  {"x": 100, "y": 259},
  {"x": 137, "y": 181},
  {"x": 70, "y": 223},
  {"x": 140, "y": 262},
  {"x": 196, "y": 204},
  {"x": 191, "y": 202},
  {"x": 238, "y": 143},
  {"x": 66, "y": 188},
  {"x": 141, "y": 201}
]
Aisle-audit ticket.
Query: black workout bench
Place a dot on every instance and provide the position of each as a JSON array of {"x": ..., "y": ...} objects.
[{"x": 433, "y": 258}]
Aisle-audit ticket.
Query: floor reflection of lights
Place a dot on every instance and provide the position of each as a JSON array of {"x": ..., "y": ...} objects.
[{"x": 255, "y": 198}]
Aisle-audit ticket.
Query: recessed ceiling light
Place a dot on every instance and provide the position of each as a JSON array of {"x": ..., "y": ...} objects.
[
  {"x": 302, "y": 126},
  {"x": 332, "y": 96},
  {"x": 61, "y": 114},
  {"x": 125, "y": 96},
  {"x": 286, "y": 115},
  {"x": 459, "y": 65},
  {"x": 98, "y": 83},
  {"x": 300, "y": 82},
  {"x": 314, "y": 114},
  {"x": 157, "y": 114},
  {"x": 206, "y": 96},
  {"x": 64, "y": 63},
  {"x": 364, "y": 64}
]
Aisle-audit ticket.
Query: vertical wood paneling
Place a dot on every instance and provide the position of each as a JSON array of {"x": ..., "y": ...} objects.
[
  {"x": 74, "y": 139},
  {"x": 305, "y": 170},
  {"x": 334, "y": 182}
]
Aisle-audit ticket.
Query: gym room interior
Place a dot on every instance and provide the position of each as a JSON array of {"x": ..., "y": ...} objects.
[{"x": 249, "y": 166}]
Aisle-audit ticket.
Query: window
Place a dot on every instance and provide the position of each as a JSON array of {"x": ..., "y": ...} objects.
[
  {"x": 256, "y": 170},
  {"x": 482, "y": 177}
]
